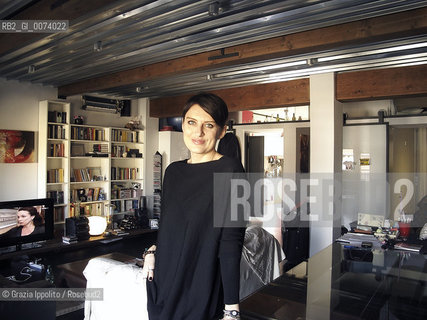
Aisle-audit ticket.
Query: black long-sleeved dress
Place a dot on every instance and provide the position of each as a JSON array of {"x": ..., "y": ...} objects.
[{"x": 197, "y": 264}]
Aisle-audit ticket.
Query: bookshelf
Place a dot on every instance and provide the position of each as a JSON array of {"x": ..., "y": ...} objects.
[
  {"x": 126, "y": 170},
  {"x": 85, "y": 168},
  {"x": 53, "y": 155},
  {"x": 89, "y": 169}
]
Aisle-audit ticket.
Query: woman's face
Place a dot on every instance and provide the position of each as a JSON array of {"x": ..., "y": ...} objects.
[
  {"x": 200, "y": 131},
  {"x": 24, "y": 218}
]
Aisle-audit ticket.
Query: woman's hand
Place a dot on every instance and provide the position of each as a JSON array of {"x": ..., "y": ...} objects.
[{"x": 149, "y": 263}]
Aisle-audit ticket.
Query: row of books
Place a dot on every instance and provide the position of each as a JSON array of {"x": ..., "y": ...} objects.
[
  {"x": 118, "y": 173},
  {"x": 56, "y": 150},
  {"x": 125, "y": 193},
  {"x": 100, "y": 148},
  {"x": 125, "y": 206},
  {"x": 85, "y": 174},
  {"x": 57, "y": 196},
  {"x": 56, "y": 131},
  {"x": 55, "y": 175},
  {"x": 124, "y": 136},
  {"x": 58, "y": 214},
  {"x": 87, "y": 194},
  {"x": 156, "y": 204},
  {"x": 91, "y": 209},
  {"x": 57, "y": 116},
  {"x": 117, "y": 151},
  {"x": 87, "y": 133}
]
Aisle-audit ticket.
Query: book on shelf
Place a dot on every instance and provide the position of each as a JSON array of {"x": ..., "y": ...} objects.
[
  {"x": 117, "y": 206},
  {"x": 90, "y": 194},
  {"x": 57, "y": 116},
  {"x": 118, "y": 151},
  {"x": 58, "y": 214},
  {"x": 119, "y": 135},
  {"x": 55, "y": 175},
  {"x": 57, "y": 196},
  {"x": 56, "y": 150},
  {"x": 56, "y": 131},
  {"x": 81, "y": 194},
  {"x": 100, "y": 148},
  {"x": 87, "y": 133},
  {"x": 69, "y": 239},
  {"x": 118, "y": 173},
  {"x": 86, "y": 174}
]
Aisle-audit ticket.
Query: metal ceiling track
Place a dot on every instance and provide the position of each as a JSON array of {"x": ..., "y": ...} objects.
[{"x": 130, "y": 34}]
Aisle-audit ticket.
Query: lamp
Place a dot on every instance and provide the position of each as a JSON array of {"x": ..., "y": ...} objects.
[{"x": 97, "y": 225}]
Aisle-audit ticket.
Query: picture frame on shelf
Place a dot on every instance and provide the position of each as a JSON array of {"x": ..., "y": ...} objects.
[{"x": 77, "y": 150}]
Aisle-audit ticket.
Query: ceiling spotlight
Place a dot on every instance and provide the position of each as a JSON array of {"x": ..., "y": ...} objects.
[
  {"x": 97, "y": 46},
  {"x": 213, "y": 9},
  {"x": 208, "y": 77},
  {"x": 31, "y": 68},
  {"x": 138, "y": 89}
]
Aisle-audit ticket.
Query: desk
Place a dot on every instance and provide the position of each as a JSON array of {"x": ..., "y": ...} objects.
[{"x": 342, "y": 283}]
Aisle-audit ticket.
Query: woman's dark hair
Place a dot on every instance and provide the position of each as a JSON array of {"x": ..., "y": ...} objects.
[
  {"x": 38, "y": 220},
  {"x": 212, "y": 104}
]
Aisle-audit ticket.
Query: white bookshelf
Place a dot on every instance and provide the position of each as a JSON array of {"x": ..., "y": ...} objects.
[
  {"x": 53, "y": 155},
  {"x": 89, "y": 169},
  {"x": 84, "y": 168},
  {"x": 126, "y": 169}
]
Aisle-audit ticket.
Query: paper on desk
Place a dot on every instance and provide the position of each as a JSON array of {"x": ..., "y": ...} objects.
[{"x": 356, "y": 239}]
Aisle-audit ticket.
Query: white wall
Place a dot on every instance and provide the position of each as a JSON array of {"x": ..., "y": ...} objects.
[
  {"x": 325, "y": 160},
  {"x": 151, "y": 128},
  {"x": 19, "y": 104},
  {"x": 368, "y": 108},
  {"x": 172, "y": 148}
]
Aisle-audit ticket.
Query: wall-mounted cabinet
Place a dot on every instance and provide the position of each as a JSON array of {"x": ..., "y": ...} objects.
[{"x": 85, "y": 168}]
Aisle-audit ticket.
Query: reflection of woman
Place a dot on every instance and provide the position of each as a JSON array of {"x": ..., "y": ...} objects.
[
  {"x": 18, "y": 145},
  {"x": 197, "y": 265},
  {"x": 29, "y": 222}
]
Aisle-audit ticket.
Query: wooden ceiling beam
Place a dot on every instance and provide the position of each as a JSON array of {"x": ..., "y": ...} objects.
[
  {"x": 363, "y": 85},
  {"x": 381, "y": 83},
  {"x": 408, "y": 23},
  {"x": 261, "y": 96}
]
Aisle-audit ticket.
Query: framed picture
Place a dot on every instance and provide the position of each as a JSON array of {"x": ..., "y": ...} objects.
[
  {"x": 17, "y": 146},
  {"x": 77, "y": 150}
]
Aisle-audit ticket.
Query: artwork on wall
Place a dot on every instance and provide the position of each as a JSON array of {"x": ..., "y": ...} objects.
[{"x": 17, "y": 146}]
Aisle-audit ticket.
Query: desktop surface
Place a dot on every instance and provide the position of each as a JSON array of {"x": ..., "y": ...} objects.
[{"x": 346, "y": 283}]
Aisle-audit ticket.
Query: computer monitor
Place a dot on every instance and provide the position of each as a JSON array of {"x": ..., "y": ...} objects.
[{"x": 24, "y": 222}]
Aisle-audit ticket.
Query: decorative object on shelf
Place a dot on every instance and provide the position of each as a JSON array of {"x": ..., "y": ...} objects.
[
  {"x": 128, "y": 222},
  {"x": 78, "y": 119},
  {"x": 17, "y": 146},
  {"x": 286, "y": 114},
  {"x": 133, "y": 124},
  {"x": 77, "y": 227}
]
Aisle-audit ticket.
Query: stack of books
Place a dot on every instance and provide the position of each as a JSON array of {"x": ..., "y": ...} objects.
[{"x": 69, "y": 239}]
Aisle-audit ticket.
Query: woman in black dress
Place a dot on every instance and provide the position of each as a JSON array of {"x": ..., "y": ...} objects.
[
  {"x": 193, "y": 271},
  {"x": 29, "y": 222}
]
